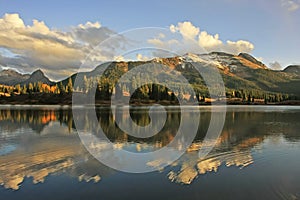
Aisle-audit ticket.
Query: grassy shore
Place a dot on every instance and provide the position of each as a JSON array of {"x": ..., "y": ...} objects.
[{"x": 66, "y": 99}]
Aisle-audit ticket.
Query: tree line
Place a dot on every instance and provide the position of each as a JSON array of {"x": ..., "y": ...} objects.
[{"x": 104, "y": 87}]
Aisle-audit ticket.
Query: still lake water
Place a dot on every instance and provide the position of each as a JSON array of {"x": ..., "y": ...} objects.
[{"x": 255, "y": 157}]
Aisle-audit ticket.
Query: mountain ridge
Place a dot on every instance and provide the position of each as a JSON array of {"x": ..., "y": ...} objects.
[
  {"x": 12, "y": 77},
  {"x": 241, "y": 71},
  {"x": 292, "y": 69},
  {"x": 38, "y": 76}
]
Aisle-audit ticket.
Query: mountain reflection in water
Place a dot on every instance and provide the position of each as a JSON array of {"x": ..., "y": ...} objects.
[{"x": 38, "y": 142}]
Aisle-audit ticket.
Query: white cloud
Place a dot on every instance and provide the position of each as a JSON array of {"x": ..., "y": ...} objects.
[
  {"x": 39, "y": 46},
  {"x": 209, "y": 41},
  {"x": 88, "y": 25},
  {"x": 37, "y": 42},
  {"x": 275, "y": 65},
  {"x": 290, "y": 5},
  {"x": 119, "y": 58},
  {"x": 91, "y": 35},
  {"x": 187, "y": 29},
  {"x": 161, "y": 35},
  {"x": 157, "y": 42},
  {"x": 10, "y": 21},
  {"x": 238, "y": 46},
  {"x": 261, "y": 59},
  {"x": 164, "y": 44},
  {"x": 192, "y": 35},
  {"x": 141, "y": 57}
]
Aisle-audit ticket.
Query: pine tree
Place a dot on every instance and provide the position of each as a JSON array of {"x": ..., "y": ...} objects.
[
  {"x": 85, "y": 84},
  {"x": 56, "y": 89},
  {"x": 154, "y": 94},
  {"x": 18, "y": 88},
  {"x": 30, "y": 88},
  {"x": 173, "y": 97},
  {"x": 69, "y": 88},
  {"x": 119, "y": 92},
  {"x": 198, "y": 97},
  {"x": 61, "y": 88},
  {"x": 24, "y": 89},
  {"x": 40, "y": 87}
]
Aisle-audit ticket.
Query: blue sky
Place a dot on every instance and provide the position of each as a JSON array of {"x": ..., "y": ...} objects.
[{"x": 272, "y": 26}]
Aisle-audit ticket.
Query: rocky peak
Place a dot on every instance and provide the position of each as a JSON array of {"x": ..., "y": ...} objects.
[
  {"x": 292, "y": 69},
  {"x": 252, "y": 59},
  {"x": 38, "y": 76}
]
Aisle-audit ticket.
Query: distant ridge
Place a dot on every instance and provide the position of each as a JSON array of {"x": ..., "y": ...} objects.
[
  {"x": 38, "y": 76},
  {"x": 239, "y": 72},
  {"x": 12, "y": 77},
  {"x": 252, "y": 59},
  {"x": 292, "y": 69}
]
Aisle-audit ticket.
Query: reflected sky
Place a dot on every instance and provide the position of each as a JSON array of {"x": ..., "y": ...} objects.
[{"x": 37, "y": 144}]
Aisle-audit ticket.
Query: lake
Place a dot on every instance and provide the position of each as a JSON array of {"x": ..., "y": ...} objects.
[{"x": 256, "y": 156}]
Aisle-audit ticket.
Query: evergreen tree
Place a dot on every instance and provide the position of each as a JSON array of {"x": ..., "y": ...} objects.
[
  {"x": 30, "y": 88},
  {"x": 198, "y": 97},
  {"x": 249, "y": 98},
  {"x": 40, "y": 87},
  {"x": 69, "y": 87},
  {"x": 173, "y": 97},
  {"x": 24, "y": 89},
  {"x": 61, "y": 88},
  {"x": 18, "y": 88},
  {"x": 154, "y": 94},
  {"x": 118, "y": 92},
  {"x": 85, "y": 84},
  {"x": 56, "y": 90}
]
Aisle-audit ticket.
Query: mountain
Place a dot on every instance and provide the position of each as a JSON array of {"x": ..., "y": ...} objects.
[
  {"x": 244, "y": 72},
  {"x": 239, "y": 72},
  {"x": 252, "y": 59},
  {"x": 224, "y": 60},
  {"x": 11, "y": 77},
  {"x": 37, "y": 76},
  {"x": 294, "y": 69}
]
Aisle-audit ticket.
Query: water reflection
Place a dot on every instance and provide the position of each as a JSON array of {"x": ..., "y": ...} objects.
[
  {"x": 12, "y": 119},
  {"x": 36, "y": 143}
]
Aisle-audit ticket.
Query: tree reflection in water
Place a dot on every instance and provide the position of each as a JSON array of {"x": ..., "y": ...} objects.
[{"x": 42, "y": 141}]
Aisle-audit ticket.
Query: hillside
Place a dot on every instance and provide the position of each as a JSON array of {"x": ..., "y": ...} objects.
[
  {"x": 11, "y": 77},
  {"x": 38, "y": 76},
  {"x": 243, "y": 75},
  {"x": 239, "y": 72},
  {"x": 293, "y": 69}
]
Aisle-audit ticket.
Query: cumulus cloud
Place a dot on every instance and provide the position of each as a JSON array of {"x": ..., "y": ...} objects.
[
  {"x": 89, "y": 25},
  {"x": 91, "y": 33},
  {"x": 39, "y": 46},
  {"x": 186, "y": 29},
  {"x": 209, "y": 42},
  {"x": 290, "y": 5},
  {"x": 10, "y": 21},
  {"x": 238, "y": 46},
  {"x": 119, "y": 58},
  {"x": 141, "y": 57},
  {"x": 162, "y": 43},
  {"x": 60, "y": 53},
  {"x": 275, "y": 66},
  {"x": 192, "y": 35}
]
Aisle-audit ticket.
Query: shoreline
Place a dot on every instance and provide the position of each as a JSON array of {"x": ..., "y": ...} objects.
[
  {"x": 142, "y": 104},
  {"x": 66, "y": 100}
]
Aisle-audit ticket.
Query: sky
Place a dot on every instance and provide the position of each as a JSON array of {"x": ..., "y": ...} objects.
[{"x": 57, "y": 36}]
